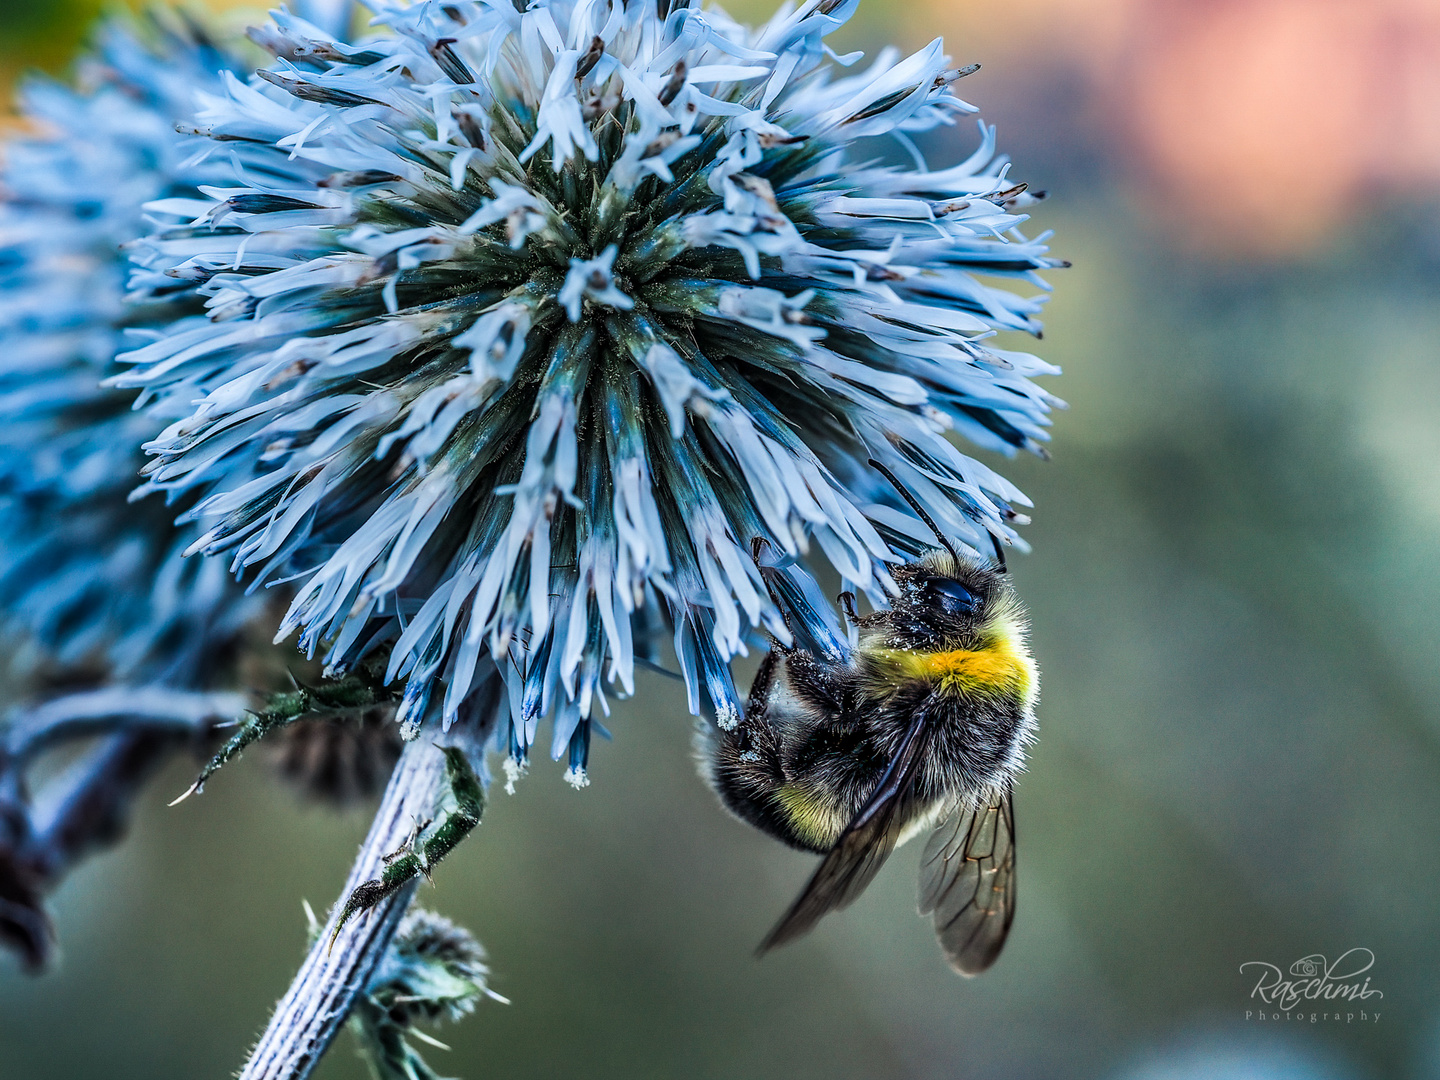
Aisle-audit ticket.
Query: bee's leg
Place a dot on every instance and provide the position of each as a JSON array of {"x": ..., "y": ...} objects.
[
  {"x": 757, "y": 738},
  {"x": 847, "y": 605},
  {"x": 757, "y": 704},
  {"x": 743, "y": 764},
  {"x": 999, "y": 553},
  {"x": 757, "y": 545},
  {"x": 817, "y": 687}
]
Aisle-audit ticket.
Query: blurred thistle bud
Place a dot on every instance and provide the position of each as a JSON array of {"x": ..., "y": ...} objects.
[
  {"x": 559, "y": 314},
  {"x": 339, "y": 760},
  {"x": 433, "y": 970}
]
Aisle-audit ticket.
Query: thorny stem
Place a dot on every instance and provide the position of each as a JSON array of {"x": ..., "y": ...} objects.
[{"x": 324, "y": 990}]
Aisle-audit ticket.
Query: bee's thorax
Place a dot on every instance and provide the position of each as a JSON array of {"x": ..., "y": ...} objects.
[{"x": 997, "y": 662}]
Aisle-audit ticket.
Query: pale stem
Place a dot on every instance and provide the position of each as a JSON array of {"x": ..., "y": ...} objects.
[{"x": 320, "y": 998}]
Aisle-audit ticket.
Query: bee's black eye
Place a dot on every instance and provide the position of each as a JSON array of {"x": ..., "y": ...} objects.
[{"x": 951, "y": 597}]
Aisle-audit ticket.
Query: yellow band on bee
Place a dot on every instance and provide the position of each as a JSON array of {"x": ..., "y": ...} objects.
[
  {"x": 811, "y": 816},
  {"x": 1002, "y": 666}
]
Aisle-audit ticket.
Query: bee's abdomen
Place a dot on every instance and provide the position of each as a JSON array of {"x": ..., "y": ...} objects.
[
  {"x": 814, "y": 817},
  {"x": 744, "y": 768},
  {"x": 976, "y": 741}
]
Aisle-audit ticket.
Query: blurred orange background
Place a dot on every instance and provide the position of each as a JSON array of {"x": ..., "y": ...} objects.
[{"x": 1247, "y": 124}]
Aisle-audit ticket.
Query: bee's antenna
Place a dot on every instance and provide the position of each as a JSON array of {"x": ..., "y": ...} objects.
[{"x": 919, "y": 510}]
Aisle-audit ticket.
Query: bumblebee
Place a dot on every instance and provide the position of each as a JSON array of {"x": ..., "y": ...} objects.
[{"x": 922, "y": 725}]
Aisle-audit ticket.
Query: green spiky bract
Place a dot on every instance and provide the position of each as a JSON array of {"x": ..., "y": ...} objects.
[{"x": 432, "y": 845}]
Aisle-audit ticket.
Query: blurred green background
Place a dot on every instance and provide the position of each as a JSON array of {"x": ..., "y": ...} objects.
[{"x": 1236, "y": 609}]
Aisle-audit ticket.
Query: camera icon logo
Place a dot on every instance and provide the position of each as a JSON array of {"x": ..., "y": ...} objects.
[{"x": 1309, "y": 967}]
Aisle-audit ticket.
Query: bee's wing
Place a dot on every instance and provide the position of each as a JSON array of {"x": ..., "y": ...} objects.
[
  {"x": 862, "y": 848},
  {"x": 967, "y": 878}
]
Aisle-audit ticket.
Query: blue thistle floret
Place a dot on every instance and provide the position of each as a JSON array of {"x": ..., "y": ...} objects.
[
  {"x": 82, "y": 569},
  {"x": 565, "y": 314}
]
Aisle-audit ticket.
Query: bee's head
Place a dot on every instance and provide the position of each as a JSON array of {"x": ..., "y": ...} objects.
[{"x": 945, "y": 603}]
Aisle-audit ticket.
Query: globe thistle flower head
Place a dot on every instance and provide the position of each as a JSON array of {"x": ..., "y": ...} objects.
[
  {"x": 585, "y": 313},
  {"x": 81, "y": 568}
]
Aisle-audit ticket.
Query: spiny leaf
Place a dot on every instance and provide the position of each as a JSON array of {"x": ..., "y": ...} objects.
[
  {"x": 451, "y": 827},
  {"x": 358, "y": 690}
]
